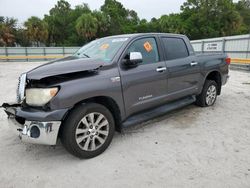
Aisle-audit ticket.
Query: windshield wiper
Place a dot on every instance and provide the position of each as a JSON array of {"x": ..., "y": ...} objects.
[
  {"x": 86, "y": 55},
  {"x": 80, "y": 54}
]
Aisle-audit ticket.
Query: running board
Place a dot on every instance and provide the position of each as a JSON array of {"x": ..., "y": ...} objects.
[{"x": 159, "y": 111}]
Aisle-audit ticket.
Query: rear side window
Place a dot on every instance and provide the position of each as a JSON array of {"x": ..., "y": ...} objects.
[{"x": 175, "y": 48}]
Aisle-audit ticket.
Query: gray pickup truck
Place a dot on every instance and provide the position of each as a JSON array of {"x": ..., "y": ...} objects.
[{"x": 109, "y": 84}]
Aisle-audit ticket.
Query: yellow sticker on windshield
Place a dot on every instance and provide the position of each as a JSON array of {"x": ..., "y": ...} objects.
[
  {"x": 104, "y": 46},
  {"x": 148, "y": 47}
]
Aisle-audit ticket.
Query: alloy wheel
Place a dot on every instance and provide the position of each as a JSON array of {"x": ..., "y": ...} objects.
[
  {"x": 211, "y": 95},
  {"x": 92, "y": 131}
]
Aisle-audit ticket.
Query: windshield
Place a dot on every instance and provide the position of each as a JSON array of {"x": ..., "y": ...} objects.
[{"x": 104, "y": 49}]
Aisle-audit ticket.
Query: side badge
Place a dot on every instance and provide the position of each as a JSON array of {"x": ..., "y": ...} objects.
[{"x": 115, "y": 79}]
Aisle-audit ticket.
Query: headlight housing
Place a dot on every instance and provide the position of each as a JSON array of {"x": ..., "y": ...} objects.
[{"x": 40, "y": 96}]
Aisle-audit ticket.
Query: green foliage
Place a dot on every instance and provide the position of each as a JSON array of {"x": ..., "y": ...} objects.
[
  {"x": 103, "y": 23},
  {"x": 116, "y": 14},
  {"x": 59, "y": 23},
  {"x": 7, "y": 31},
  {"x": 170, "y": 23},
  {"x": 243, "y": 7},
  {"x": 66, "y": 26},
  {"x": 209, "y": 18},
  {"x": 21, "y": 37},
  {"x": 87, "y": 26},
  {"x": 37, "y": 30}
]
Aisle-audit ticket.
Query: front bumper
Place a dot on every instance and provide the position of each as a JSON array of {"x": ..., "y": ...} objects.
[{"x": 34, "y": 126}]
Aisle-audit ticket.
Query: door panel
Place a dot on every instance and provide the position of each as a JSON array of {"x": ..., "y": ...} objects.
[
  {"x": 144, "y": 86},
  {"x": 183, "y": 77},
  {"x": 183, "y": 69}
]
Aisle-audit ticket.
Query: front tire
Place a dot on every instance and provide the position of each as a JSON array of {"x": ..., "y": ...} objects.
[
  {"x": 208, "y": 95},
  {"x": 88, "y": 130}
]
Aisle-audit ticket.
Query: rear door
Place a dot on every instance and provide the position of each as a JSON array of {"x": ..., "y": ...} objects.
[
  {"x": 144, "y": 86},
  {"x": 183, "y": 69}
]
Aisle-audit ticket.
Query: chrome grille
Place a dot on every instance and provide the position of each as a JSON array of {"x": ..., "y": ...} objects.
[{"x": 21, "y": 87}]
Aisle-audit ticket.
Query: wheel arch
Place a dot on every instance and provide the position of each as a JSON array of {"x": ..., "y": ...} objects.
[
  {"x": 216, "y": 76},
  {"x": 109, "y": 103}
]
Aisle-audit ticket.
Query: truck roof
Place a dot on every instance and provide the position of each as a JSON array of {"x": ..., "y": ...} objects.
[{"x": 145, "y": 34}]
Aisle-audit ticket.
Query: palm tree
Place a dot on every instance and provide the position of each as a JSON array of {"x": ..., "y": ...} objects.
[
  {"x": 87, "y": 26},
  {"x": 103, "y": 23},
  {"x": 7, "y": 29},
  {"x": 37, "y": 30}
]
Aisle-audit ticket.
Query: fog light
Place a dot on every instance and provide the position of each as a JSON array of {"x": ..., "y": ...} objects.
[{"x": 34, "y": 132}]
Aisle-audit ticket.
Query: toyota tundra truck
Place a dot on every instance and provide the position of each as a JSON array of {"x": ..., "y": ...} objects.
[{"x": 110, "y": 84}]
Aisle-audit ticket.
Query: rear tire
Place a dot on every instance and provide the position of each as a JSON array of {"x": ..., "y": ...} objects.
[
  {"x": 208, "y": 95},
  {"x": 88, "y": 130}
]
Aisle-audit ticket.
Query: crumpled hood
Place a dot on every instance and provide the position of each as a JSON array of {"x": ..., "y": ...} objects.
[{"x": 64, "y": 66}]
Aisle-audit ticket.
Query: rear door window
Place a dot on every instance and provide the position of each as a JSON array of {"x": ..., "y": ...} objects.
[{"x": 175, "y": 48}]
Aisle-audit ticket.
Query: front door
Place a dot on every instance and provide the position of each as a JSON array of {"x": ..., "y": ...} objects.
[{"x": 144, "y": 86}]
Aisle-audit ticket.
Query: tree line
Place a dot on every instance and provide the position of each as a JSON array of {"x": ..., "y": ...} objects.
[{"x": 67, "y": 26}]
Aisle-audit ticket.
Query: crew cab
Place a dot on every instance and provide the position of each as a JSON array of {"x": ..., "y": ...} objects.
[{"x": 110, "y": 84}]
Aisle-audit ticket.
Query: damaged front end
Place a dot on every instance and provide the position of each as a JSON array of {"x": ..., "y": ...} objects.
[
  {"x": 35, "y": 120},
  {"x": 32, "y": 125}
]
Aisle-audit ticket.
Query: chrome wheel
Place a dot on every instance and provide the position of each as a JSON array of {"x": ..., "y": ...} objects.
[
  {"x": 211, "y": 95},
  {"x": 92, "y": 131}
]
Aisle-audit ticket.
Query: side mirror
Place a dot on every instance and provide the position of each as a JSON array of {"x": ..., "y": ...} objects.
[{"x": 134, "y": 58}]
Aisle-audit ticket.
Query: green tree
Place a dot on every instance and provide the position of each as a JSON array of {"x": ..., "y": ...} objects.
[
  {"x": 7, "y": 31},
  {"x": 87, "y": 26},
  {"x": 143, "y": 26},
  {"x": 59, "y": 22},
  {"x": 21, "y": 37},
  {"x": 170, "y": 23},
  {"x": 80, "y": 9},
  {"x": 209, "y": 18},
  {"x": 73, "y": 37},
  {"x": 131, "y": 22},
  {"x": 102, "y": 22},
  {"x": 68, "y": 26},
  {"x": 243, "y": 7},
  {"x": 116, "y": 14},
  {"x": 37, "y": 30},
  {"x": 154, "y": 25}
]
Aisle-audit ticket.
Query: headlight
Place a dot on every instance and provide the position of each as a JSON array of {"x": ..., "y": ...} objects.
[{"x": 40, "y": 96}]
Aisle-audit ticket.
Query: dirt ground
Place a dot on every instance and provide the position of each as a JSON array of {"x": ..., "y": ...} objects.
[{"x": 190, "y": 147}]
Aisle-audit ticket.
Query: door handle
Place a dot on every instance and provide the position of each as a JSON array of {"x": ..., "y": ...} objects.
[
  {"x": 194, "y": 63},
  {"x": 161, "y": 69}
]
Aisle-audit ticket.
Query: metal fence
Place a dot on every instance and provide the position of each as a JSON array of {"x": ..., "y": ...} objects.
[
  {"x": 237, "y": 47},
  {"x": 34, "y": 53}
]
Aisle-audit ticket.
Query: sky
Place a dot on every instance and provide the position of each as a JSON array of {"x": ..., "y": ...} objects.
[{"x": 23, "y": 9}]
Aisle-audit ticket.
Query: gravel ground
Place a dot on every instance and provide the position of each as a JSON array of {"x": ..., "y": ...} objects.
[{"x": 190, "y": 147}]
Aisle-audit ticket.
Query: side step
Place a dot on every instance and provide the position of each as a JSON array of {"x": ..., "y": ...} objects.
[{"x": 159, "y": 111}]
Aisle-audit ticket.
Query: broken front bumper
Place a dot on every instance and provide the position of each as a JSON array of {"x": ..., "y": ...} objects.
[{"x": 35, "y": 126}]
